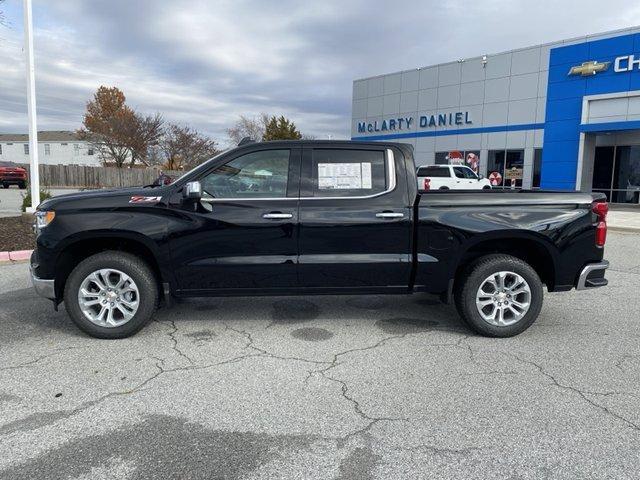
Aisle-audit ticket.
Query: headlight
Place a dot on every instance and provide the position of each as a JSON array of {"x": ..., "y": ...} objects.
[{"x": 44, "y": 218}]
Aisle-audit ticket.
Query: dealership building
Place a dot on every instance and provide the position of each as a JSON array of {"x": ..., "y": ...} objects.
[{"x": 563, "y": 115}]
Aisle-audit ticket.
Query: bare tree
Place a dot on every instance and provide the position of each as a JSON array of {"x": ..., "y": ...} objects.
[
  {"x": 143, "y": 133},
  {"x": 251, "y": 127},
  {"x": 184, "y": 147}
]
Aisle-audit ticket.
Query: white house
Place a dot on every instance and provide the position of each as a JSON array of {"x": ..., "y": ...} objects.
[{"x": 54, "y": 148}]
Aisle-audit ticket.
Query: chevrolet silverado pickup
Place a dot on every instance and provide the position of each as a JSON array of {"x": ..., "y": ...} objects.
[{"x": 314, "y": 217}]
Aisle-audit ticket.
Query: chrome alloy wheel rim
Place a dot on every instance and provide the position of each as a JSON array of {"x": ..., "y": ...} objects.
[
  {"x": 503, "y": 298},
  {"x": 108, "y": 297}
]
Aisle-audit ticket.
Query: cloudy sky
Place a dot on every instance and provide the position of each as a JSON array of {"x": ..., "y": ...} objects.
[{"x": 204, "y": 63}]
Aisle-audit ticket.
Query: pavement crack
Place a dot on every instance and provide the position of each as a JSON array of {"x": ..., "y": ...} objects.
[
  {"x": 581, "y": 393},
  {"x": 174, "y": 341},
  {"x": 265, "y": 353},
  {"x": 30, "y": 363},
  {"x": 441, "y": 450}
]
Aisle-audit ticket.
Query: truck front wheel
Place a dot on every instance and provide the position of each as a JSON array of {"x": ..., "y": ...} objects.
[
  {"x": 499, "y": 296},
  {"x": 111, "y": 294}
]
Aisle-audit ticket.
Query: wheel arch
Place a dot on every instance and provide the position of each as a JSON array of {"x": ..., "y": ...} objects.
[
  {"x": 86, "y": 244},
  {"x": 535, "y": 250}
]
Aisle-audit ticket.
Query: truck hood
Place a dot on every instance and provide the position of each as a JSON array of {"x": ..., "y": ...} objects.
[{"x": 112, "y": 198}]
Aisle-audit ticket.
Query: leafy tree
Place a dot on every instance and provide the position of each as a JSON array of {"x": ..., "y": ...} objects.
[
  {"x": 117, "y": 132},
  {"x": 280, "y": 128},
  {"x": 105, "y": 123},
  {"x": 184, "y": 147}
]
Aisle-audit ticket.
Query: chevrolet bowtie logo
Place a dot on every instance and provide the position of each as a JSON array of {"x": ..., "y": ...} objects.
[{"x": 589, "y": 68}]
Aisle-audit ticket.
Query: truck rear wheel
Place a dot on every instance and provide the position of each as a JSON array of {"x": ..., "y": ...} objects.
[
  {"x": 499, "y": 296},
  {"x": 111, "y": 295}
]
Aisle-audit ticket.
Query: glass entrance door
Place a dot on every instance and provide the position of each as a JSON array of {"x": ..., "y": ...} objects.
[{"x": 616, "y": 173}]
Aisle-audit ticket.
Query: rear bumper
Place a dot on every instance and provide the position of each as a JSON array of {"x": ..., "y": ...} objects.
[
  {"x": 44, "y": 288},
  {"x": 13, "y": 180},
  {"x": 592, "y": 276}
]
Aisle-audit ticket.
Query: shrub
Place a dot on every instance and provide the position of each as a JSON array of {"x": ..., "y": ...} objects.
[{"x": 26, "y": 199}]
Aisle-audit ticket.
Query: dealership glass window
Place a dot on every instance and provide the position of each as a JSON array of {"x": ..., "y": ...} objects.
[
  {"x": 26, "y": 148},
  {"x": 603, "y": 170},
  {"x": 441, "y": 158},
  {"x": 626, "y": 175},
  {"x": 90, "y": 151},
  {"x": 496, "y": 165},
  {"x": 515, "y": 166},
  {"x": 348, "y": 173},
  {"x": 470, "y": 158},
  {"x": 501, "y": 161},
  {"x": 537, "y": 168},
  {"x": 47, "y": 149},
  {"x": 260, "y": 174}
]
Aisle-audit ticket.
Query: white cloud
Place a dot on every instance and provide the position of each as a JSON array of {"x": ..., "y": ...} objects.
[{"x": 204, "y": 63}]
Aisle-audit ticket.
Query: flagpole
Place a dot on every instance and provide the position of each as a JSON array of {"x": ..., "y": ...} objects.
[{"x": 31, "y": 107}]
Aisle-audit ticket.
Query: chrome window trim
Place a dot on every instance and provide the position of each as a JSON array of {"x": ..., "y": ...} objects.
[{"x": 391, "y": 178}]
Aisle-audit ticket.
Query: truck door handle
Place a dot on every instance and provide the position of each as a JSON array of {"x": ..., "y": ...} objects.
[
  {"x": 277, "y": 215},
  {"x": 389, "y": 215}
]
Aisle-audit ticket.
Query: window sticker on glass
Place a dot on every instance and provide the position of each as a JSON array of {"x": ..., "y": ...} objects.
[{"x": 343, "y": 176}]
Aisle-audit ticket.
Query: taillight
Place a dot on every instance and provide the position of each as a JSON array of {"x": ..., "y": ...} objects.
[
  {"x": 601, "y": 209},
  {"x": 427, "y": 184}
]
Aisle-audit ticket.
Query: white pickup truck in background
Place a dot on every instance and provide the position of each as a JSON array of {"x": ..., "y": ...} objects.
[{"x": 450, "y": 177}]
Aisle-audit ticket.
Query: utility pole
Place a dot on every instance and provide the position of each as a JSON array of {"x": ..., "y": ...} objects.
[{"x": 31, "y": 107}]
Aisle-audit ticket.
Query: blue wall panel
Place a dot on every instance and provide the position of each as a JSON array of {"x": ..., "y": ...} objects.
[{"x": 565, "y": 96}]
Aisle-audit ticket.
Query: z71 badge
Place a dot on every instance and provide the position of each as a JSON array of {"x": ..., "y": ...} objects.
[{"x": 142, "y": 199}]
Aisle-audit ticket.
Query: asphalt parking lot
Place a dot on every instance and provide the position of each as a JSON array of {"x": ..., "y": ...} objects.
[
  {"x": 11, "y": 199},
  {"x": 325, "y": 387}
]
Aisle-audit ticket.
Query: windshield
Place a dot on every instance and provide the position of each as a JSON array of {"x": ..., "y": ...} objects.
[{"x": 202, "y": 166}]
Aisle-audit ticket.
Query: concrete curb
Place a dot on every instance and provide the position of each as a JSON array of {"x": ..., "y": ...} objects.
[
  {"x": 15, "y": 256},
  {"x": 623, "y": 229}
]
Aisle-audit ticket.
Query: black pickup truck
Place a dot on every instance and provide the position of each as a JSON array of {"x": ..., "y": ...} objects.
[{"x": 314, "y": 217}]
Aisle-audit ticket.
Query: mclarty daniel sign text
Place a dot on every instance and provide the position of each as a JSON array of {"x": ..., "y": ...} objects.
[{"x": 408, "y": 123}]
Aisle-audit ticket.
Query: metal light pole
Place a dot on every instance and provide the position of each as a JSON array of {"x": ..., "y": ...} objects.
[{"x": 31, "y": 107}]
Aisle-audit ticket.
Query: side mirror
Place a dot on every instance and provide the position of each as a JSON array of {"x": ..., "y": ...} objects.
[
  {"x": 480, "y": 176},
  {"x": 192, "y": 191}
]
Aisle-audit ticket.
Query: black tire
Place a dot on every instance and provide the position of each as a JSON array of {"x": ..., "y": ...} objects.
[
  {"x": 5, "y": 185},
  {"x": 486, "y": 187},
  {"x": 471, "y": 279},
  {"x": 443, "y": 188},
  {"x": 129, "y": 264},
  {"x": 22, "y": 186}
]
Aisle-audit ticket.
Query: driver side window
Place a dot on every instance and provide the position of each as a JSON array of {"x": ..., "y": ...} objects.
[{"x": 262, "y": 174}]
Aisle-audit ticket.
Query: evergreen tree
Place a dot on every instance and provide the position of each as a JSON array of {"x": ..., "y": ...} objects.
[{"x": 280, "y": 128}]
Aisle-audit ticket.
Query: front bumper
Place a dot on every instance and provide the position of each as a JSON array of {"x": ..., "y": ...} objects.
[
  {"x": 44, "y": 288},
  {"x": 592, "y": 276}
]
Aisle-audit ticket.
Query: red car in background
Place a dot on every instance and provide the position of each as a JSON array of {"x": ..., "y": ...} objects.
[{"x": 10, "y": 175}]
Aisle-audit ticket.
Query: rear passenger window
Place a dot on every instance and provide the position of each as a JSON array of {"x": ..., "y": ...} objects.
[
  {"x": 464, "y": 172},
  {"x": 348, "y": 173},
  {"x": 433, "y": 172}
]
